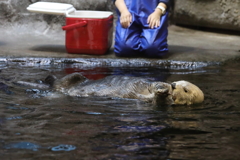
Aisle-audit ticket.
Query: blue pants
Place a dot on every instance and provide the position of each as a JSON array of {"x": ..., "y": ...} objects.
[{"x": 140, "y": 40}]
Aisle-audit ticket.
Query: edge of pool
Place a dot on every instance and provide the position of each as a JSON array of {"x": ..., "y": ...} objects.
[{"x": 188, "y": 48}]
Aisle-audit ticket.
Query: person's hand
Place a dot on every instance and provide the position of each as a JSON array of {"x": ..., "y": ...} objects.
[
  {"x": 125, "y": 19},
  {"x": 154, "y": 19}
]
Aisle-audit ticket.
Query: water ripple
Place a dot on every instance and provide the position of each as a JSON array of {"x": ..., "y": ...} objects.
[
  {"x": 63, "y": 147},
  {"x": 23, "y": 145}
]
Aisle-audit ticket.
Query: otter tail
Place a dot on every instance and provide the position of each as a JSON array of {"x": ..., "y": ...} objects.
[
  {"x": 48, "y": 82},
  {"x": 30, "y": 84}
]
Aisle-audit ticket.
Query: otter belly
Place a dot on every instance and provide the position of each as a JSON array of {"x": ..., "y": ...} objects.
[{"x": 112, "y": 86}]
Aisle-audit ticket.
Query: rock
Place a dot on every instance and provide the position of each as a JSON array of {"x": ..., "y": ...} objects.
[
  {"x": 222, "y": 14},
  {"x": 6, "y": 10},
  {"x": 14, "y": 14}
]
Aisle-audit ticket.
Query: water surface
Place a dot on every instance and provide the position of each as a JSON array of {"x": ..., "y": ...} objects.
[{"x": 37, "y": 124}]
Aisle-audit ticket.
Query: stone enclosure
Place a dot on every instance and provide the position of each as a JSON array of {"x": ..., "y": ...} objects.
[{"x": 222, "y": 14}]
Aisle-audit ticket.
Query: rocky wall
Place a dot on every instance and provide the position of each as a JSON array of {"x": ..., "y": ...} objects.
[
  {"x": 223, "y": 14},
  {"x": 14, "y": 15}
]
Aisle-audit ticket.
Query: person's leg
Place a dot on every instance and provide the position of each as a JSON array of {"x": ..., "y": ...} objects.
[
  {"x": 154, "y": 41},
  {"x": 127, "y": 40}
]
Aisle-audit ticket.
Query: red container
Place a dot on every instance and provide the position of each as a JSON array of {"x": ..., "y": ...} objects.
[
  {"x": 88, "y": 35},
  {"x": 87, "y": 32}
]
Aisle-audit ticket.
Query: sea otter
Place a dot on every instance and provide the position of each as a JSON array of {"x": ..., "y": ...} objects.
[{"x": 176, "y": 93}]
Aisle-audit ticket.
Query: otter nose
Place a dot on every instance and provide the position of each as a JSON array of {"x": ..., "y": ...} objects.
[{"x": 173, "y": 85}]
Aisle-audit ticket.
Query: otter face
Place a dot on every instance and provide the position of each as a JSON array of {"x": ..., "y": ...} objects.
[{"x": 186, "y": 93}]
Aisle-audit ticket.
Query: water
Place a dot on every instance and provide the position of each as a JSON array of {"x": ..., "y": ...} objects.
[{"x": 36, "y": 124}]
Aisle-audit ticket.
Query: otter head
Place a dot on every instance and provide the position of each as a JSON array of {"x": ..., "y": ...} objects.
[{"x": 186, "y": 93}]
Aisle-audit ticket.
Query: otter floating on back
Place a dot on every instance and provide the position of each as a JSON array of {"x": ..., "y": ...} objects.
[{"x": 176, "y": 93}]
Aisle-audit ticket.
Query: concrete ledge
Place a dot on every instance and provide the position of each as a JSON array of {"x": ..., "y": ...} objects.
[
  {"x": 187, "y": 47},
  {"x": 108, "y": 62}
]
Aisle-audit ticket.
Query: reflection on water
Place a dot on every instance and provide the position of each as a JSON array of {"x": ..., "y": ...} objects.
[{"x": 38, "y": 124}]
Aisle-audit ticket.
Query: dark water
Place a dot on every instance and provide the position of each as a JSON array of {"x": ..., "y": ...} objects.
[{"x": 37, "y": 124}]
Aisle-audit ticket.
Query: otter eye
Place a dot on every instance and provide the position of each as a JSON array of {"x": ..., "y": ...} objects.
[{"x": 185, "y": 90}]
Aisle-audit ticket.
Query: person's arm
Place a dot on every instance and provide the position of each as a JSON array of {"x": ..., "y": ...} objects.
[
  {"x": 154, "y": 18},
  {"x": 125, "y": 17}
]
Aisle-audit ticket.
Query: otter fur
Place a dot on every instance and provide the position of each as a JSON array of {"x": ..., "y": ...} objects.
[
  {"x": 177, "y": 93},
  {"x": 186, "y": 93}
]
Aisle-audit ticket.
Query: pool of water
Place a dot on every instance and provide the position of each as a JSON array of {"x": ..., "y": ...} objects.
[{"x": 34, "y": 124}]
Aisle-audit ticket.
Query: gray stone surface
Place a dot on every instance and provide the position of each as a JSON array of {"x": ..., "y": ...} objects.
[
  {"x": 224, "y": 14},
  {"x": 187, "y": 46}
]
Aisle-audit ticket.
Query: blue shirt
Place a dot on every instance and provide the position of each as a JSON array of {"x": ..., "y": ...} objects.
[
  {"x": 142, "y": 8},
  {"x": 167, "y": 2}
]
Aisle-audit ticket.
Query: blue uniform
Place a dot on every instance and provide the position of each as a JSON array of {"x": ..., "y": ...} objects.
[{"x": 138, "y": 39}]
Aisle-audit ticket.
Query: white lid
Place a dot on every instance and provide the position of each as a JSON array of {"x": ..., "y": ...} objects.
[
  {"x": 90, "y": 14},
  {"x": 51, "y": 8}
]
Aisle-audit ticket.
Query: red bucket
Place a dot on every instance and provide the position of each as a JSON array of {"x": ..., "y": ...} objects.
[
  {"x": 89, "y": 35},
  {"x": 87, "y": 32}
]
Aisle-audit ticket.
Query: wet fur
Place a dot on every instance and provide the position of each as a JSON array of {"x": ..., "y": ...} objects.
[
  {"x": 116, "y": 86},
  {"x": 186, "y": 93},
  {"x": 178, "y": 93}
]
